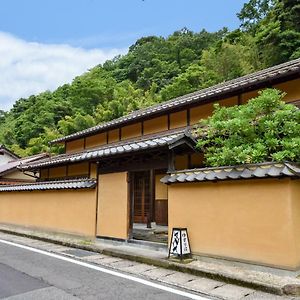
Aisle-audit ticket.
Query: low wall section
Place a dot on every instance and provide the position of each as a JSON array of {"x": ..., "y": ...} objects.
[
  {"x": 113, "y": 206},
  {"x": 70, "y": 211},
  {"x": 248, "y": 220}
]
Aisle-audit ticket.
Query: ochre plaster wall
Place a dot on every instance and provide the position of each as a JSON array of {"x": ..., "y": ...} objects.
[
  {"x": 200, "y": 112},
  {"x": 44, "y": 173},
  {"x": 113, "y": 136},
  {"x": 78, "y": 169},
  {"x": 295, "y": 200},
  {"x": 249, "y": 220},
  {"x": 248, "y": 96},
  {"x": 161, "y": 190},
  {"x": 156, "y": 125},
  {"x": 95, "y": 140},
  {"x": 58, "y": 172},
  {"x": 93, "y": 170},
  {"x": 292, "y": 88},
  {"x": 229, "y": 101},
  {"x": 178, "y": 119},
  {"x": 75, "y": 146},
  {"x": 71, "y": 211},
  {"x": 113, "y": 210},
  {"x": 131, "y": 131}
]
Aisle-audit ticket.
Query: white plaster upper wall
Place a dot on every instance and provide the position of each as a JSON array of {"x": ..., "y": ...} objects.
[
  {"x": 19, "y": 175},
  {"x": 5, "y": 158}
]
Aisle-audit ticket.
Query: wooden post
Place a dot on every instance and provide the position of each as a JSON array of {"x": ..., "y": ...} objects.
[
  {"x": 152, "y": 186},
  {"x": 171, "y": 162}
]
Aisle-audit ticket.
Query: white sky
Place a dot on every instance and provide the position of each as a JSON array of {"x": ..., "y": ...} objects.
[{"x": 28, "y": 68}]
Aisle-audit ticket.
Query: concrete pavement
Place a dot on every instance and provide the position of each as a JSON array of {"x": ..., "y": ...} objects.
[
  {"x": 213, "y": 289},
  {"x": 30, "y": 274}
]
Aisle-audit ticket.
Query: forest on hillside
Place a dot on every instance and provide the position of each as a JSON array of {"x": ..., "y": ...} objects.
[{"x": 155, "y": 69}]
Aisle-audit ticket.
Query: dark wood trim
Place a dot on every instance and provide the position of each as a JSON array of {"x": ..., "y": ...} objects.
[
  {"x": 152, "y": 196},
  {"x": 133, "y": 167},
  {"x": 295, "y": 102},
  {"x": 188, "y": 117},
  {"x": 239, "y": 100},
  {"x": 171, "y": 161},
  {"x": 97, "y": 203},
  {"x": 89, "y": 169},
  {"x": 169, "y": 122},
  {"x": 189, "y": 161},
  {"x": 67, "y": 170},
  {"x": 129, "y": 205},
  {"x": 142, "y": 127},
  {"x": 120, "y": 133},
  {"x": 84, "y": 143},
  {"x": 107, "y": 137}
]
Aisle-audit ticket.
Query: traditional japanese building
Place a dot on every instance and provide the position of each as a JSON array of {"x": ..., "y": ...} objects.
[{"x": 126, "y": 172}]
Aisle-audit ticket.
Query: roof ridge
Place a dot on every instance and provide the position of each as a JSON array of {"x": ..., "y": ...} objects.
[
  {"x": 244, "y": 166},
  {"x": 206, "y": 92}
]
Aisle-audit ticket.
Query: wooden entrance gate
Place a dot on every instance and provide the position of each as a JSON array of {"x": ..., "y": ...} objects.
[{"x": 142, "y": 196}]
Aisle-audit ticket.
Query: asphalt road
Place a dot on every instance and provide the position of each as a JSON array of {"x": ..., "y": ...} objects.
[{"x": 25, "y": 274}]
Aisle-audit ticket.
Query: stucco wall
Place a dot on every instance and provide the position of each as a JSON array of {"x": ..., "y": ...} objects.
[
  {"x": 75, "y": 146},
  {"x": 95, "y": 140},
  {"x": 71, "y": 211},
  {"x": 113, "y": 211},
  {"x": 19, "y": 175},
  {"x": 248, "y": 220},
  {"x": 5, "y": 158}
]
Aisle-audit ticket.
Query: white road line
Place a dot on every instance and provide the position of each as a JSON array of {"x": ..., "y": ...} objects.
[{"x": 114, "y": 273}]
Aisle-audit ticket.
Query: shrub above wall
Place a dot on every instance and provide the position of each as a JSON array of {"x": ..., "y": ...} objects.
[{"x": 264, "y": 129}]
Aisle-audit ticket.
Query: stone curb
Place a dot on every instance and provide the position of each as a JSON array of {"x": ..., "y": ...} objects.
[{"x": 289, "y": 289}]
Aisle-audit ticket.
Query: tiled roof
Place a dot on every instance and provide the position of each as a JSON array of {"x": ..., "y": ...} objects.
[
  {"x": 133, "y": 145},
  {"x": 3, "y": 149},
  {"x": 262, "y": 170},
  {"x": 51, "y": 185},
  {"x": 13, "y": 165},
  {"x": 243, "y": 82}
]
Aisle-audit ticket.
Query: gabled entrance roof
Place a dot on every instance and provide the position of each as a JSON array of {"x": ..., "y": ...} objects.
[{"x": 169, "y": 139}]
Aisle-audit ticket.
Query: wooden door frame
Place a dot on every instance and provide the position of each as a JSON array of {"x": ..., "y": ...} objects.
[{"x": 131, "y": 195}]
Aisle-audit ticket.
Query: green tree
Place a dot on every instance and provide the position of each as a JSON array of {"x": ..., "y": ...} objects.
[{"x": 264, "y": 129}]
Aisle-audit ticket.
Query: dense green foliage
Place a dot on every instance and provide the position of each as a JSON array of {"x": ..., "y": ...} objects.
[
  {"x": 155, "y": 69},
  {"x": 264, "y": 129}
]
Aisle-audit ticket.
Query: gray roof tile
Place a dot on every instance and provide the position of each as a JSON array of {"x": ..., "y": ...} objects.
[
  {"x": 51, "y": 185},
  {"x": 262, "y": 170},
  {"x": 148, "y": 142}
]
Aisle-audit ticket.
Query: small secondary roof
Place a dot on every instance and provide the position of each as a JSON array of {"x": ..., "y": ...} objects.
[
  {"x": 262, "y": 170},
  {"x": 51, "y": 185},
  {"x": 169, "y": 138},
  {"x": 260, "y": 77},
  {"x": 3, "y": 150},
  {"x": 13, "y": 165}
]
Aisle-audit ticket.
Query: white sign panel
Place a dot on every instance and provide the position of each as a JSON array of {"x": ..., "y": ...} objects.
[{"x": 179, "y": 242}]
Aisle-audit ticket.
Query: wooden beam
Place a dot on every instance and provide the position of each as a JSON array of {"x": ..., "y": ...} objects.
[{"x": 171, "y": 161}]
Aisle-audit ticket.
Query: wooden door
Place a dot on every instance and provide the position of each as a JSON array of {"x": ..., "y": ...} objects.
[{"x": 141, "y": 196}]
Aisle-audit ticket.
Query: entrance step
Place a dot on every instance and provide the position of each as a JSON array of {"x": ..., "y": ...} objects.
[
  {"x": 148, "y": 244},
  {"x": 157, "y": 233}
]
